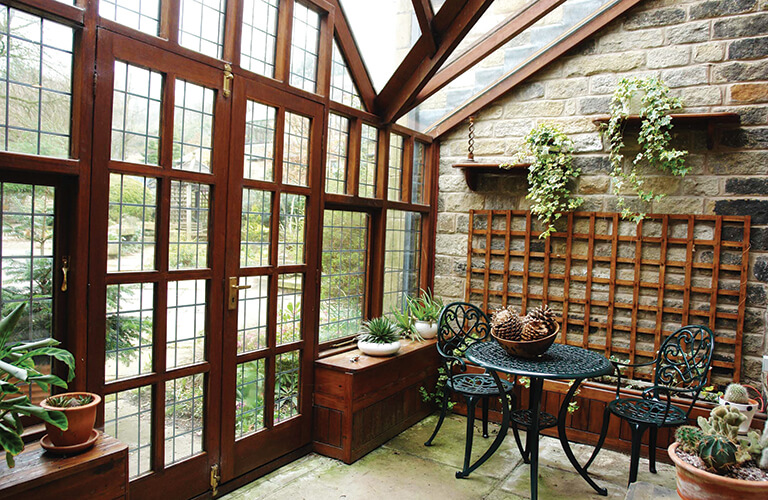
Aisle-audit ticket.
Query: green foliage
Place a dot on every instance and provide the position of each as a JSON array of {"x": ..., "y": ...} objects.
[
  {"x": 439, "y": 393},
  {"x": 551, "y": 175},
  {"x": 654, "y": 139},
  {"x": 736, "y": 393},
  {"x": 379, "y": 331},
  {"x": 17, "y": 367},
  {"x": 250, "y": 397},
  {"x": 723, "y": 421},
  {"x": 689, "y": 437},
  {"x": 124, "y": 331},
  {"x": 426, "y": 307},
  {"x": 404, "y": 323},
  {"x": 717, "y": 452},
  {"x": 69, "y": 401}
]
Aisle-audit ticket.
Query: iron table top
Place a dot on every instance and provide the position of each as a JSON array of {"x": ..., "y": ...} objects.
[{"x": 559, "y": 362}]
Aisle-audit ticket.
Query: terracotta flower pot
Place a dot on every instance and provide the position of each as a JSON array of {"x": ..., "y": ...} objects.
[
  {"x": 80, "y": 418},
  {"x": 696, "y": 484}
]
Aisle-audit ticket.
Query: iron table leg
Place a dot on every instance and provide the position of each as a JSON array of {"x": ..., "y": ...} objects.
[
  {"x": 567, "y": 447},
  {"x": 502, "y": 431},
  {"x": 537, "y": 385}
]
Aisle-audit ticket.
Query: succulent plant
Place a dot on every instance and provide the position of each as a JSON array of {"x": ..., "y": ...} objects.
[
  {"x": 736, "y": 393},
  {"x": 379, "y": 331},
  {"x": 689, "y": 437},
  {"x": 723, "y": 421},
  {"x": 717, "y": 452},
  {"x": 69, "y": 401}
]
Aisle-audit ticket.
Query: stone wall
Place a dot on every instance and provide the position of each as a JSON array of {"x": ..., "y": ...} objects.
[{"x": 713, "y": 54}]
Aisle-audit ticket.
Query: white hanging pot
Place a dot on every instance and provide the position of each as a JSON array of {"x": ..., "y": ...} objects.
[
  {"x": 748, "y": 410},
  {"x": 427, "y": 329},
  {"x": 373, "y": 349}
]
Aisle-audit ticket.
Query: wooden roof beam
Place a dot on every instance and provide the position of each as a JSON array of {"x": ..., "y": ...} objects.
[
  {"x": 507, "y": 83},
  {"x": 496, "y": 38},
  {"x": 352, "y": 56},
  {"x": 425, "y": 15},
  {"x": 417, "y": 67}
]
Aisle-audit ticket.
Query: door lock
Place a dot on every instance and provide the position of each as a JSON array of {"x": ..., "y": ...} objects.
[{"x": 234, "y": 288}]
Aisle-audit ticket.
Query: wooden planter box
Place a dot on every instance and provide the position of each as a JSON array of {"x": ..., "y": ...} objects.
[
  {"x": 360, "y": 405},
  {"x": 584, "y": 425}
]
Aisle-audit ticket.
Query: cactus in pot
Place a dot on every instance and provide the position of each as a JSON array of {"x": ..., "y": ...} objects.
[
  {"x": 736, "y": 393},
  {"x": 736, "y": 396},
  {"x": 689, "y": 437},
  {"x": 717, "y": 452}
]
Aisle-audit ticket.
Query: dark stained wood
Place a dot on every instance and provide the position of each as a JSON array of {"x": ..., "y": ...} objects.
[
  {"x": 424, "y": 15},
  {"x": 495, "y": 38},
  {"x": 552, "y": 54},
  {"x": 417, "y": 67},
  {"x": 351, "y": 53},
  {"x": 364, "y": 403},
  {"x": 98, "y": 473},
  {"x": 472, "y": 170}
]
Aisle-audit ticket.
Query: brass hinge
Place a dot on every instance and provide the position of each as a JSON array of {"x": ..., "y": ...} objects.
[
  {"x": 215, "y": 478},
  {"x": 228, "y": 77}
]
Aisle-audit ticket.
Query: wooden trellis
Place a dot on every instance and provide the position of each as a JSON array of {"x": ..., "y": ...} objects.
[{"x": 622, "y": 286}]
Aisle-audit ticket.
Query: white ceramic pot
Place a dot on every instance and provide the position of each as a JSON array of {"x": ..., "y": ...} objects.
[
  {"x": 747, "y": 410},
  {"x": 427, "y": 329},
  {"x": 373, "y": 349}
]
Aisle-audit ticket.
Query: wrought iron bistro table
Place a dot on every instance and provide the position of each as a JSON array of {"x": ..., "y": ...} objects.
[{"x": 560, "y": 362}]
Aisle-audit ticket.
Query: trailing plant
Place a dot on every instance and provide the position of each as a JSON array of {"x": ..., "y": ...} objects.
[
  {"x": 426, "y": 307},
  {"x": 654, "y": 139},
  {"x": 17, "y": 368},
  {"x": 439, "y": 393},
  {"x": 550, "y": 175},
  {"x": 69, "y": 401},
  {"x": 379, "y": 331}
]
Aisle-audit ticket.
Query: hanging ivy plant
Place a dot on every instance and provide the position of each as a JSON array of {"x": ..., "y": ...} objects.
[
  {"x": 654, "y": 138},
  {"x": 550, "y": 175}
]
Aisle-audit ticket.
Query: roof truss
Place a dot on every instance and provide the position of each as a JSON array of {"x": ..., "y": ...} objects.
[{"x": 425, "y": 15}]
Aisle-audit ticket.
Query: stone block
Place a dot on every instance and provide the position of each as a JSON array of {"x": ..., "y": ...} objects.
[
  {"x": 750, "y": 138},
  {"x": 709, "y": 52},
  {"x": 461, "y": 202},
  {"x": 487, "y": 147},
  {"x": 740, "y": 72},
  {"x": 750, "y": 115},
  {"x": 748, "y": 48},
  {"x": 594, "y": 105},
  {"x": 451, "y": 244},
  {"x": 446, "y": 222},
  {"x": 453, "y": 183},
  {"x": 533, "y": 108},
  {"x": 592, "y": 164},
  {"x": 602, "y": 84},
  {"x": 699, "y": 96},
  {"x": 528, "y": 91},
  {"x": 678, "y": 205},
  {"x": 757, "y": 209},
  {"x": 604, "y": 63},
  {"x": 758, "y": 239},
  {"x": 740, "y": 27},
  {"x": 748, "y": 93},
  {"x": 699, "y": 186},
  {"x": 668, "y": 57},
  {"x": 686, "y": 77},
  {"x": 739, "y": 163},
  {"x": 576, "y": 125},
  {"x": 688, "y": 33},
  {"x": 587, "y": 143},
  {"x": 719, "y": 8},
  {"x": 760, "y": 269},
  {"x": 621, "y": 41},
  {"x": 513, "y": 128},
  {"x": 756, "y": 295},
  {"x": 566, "y": 89},
  {"x": 657, "y": 17},
  {"x": 594, "y": 184}
]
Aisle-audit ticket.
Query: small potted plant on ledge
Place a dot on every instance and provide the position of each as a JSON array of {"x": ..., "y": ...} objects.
[
  {"x": 80, "y": 410},
  {"x": 736, "y": 395},
  {"x": 712, "y": 463},
  {"x": 379, "y": 338},
  {"x": 426, "y": 310}
]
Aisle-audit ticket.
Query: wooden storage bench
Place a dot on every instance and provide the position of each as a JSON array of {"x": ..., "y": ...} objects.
[{"x": 360, "y": 405}]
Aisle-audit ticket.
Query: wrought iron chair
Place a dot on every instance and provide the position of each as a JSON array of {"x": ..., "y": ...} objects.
[
  {"x": 680, "y": 368},
  {"x": 460, "y": 325}
]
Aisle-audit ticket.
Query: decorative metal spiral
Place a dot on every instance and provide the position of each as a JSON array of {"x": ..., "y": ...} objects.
[{"x": 471, "y": 141}]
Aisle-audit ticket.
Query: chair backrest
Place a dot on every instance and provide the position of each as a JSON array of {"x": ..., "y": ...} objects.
[
  {"x": 459, "y": 326},
  {"x": 684, "y": 358}
]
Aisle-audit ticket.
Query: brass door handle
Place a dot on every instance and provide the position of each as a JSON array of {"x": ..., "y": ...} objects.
[{"x": 234, "y": 288}]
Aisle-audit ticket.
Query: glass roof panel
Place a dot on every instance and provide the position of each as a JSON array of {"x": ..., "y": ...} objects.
[
  {"x": 501, "y": 63},
  {"x": 436, "y": 4},
  {"x": 385, "y": 30}
]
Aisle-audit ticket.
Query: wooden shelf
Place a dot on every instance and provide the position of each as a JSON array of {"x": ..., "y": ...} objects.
[
  {"x": 472, "y": 170},
  {"x": 693, "y": 120}
]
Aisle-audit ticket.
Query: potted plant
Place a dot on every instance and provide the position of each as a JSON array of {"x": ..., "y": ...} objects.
[
  {"x": 551, "y": 175},
  {"x": 80, "y": 410},
  {"x": 379, "y": 338},
  {"x": 17, "y": 368},
  {"x": 404, "y": 322},
  {"x": 736, "y": 395},
  {"x": 712, "y": 463},
  {"x": 654, "y": 138},
  {"x": 425, "y": 310}
]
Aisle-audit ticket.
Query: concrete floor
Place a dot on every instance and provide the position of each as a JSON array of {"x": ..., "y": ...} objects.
[{"x": 404, "y": 468}]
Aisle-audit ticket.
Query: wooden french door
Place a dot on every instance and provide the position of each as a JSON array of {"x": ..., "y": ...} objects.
[
  {"x": 272, "y": 256},
  {"x": 205, "y": 251}
]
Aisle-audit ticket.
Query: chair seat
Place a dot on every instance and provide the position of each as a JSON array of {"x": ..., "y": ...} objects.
[
  {"x": 479, "y": 384},
  {"x": 647, "y": 411}
]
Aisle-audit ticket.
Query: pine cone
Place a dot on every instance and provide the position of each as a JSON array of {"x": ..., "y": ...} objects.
[
  {"x": 534, "y": 329},
  {"x": 506, "y": 324},
  {"x": 545, "y": 315}
]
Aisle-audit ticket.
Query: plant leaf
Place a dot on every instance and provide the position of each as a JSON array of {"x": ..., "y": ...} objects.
[
  {"x": 10, "y": 441},
  {"x": 53, "y": 417},
  {"x": 8, "y": 323},
  {"x": 59, "y": 354},
  {"x": 14, "y": 371}
]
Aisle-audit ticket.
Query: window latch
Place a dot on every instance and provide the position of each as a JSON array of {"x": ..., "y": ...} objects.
[{"x": 228, "y": 77}]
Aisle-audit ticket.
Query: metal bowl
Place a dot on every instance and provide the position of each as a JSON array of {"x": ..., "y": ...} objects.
[{"x": 528, "y": 348}]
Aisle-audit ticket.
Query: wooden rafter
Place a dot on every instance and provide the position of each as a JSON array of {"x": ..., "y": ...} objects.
[
  {"x": 496, "y": 38},
  {"x": 351, "y": 53},
  {"x": 425, "y": 15},
  {"x": 417, "y": 67},
  {"x": 507, "y": 83}
]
